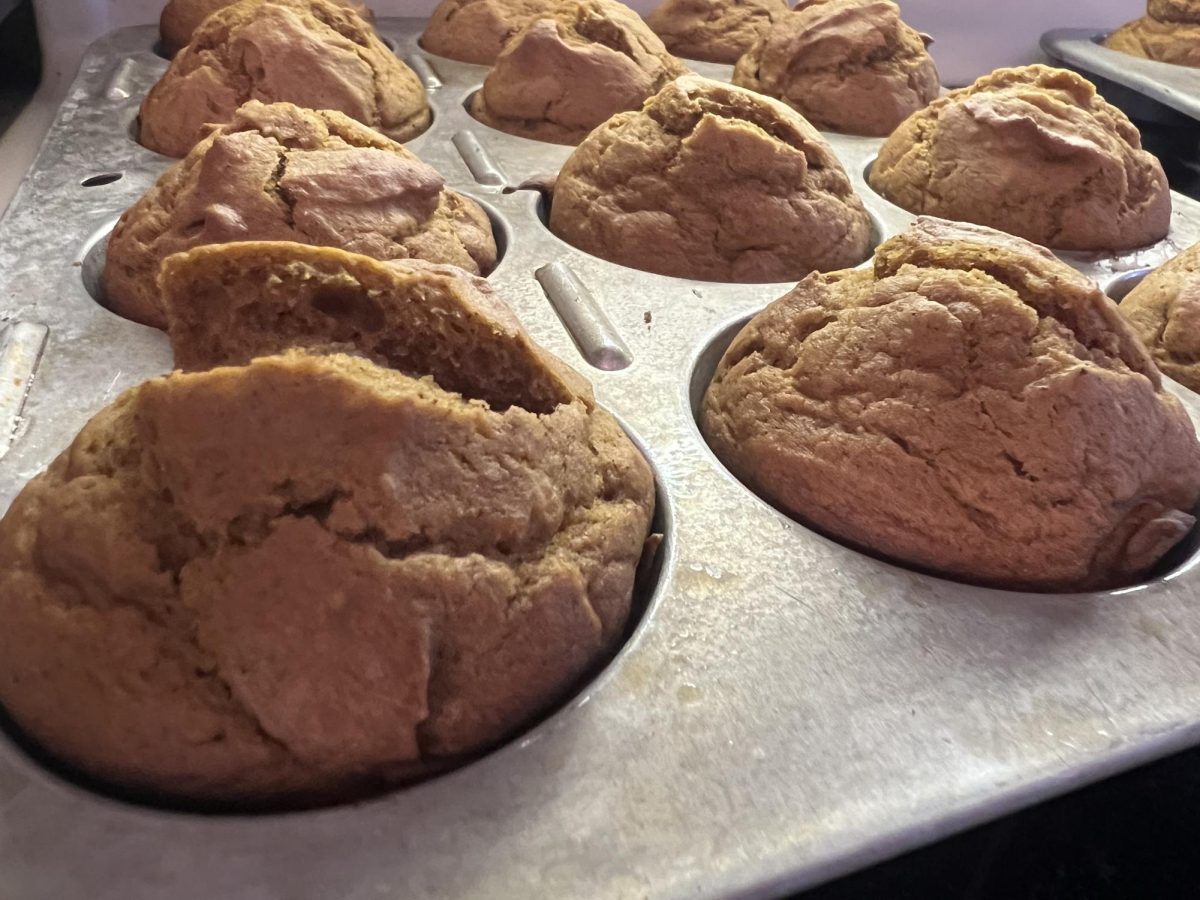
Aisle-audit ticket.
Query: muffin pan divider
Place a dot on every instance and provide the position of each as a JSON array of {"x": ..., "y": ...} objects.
[{"x": 788, "y": 708}]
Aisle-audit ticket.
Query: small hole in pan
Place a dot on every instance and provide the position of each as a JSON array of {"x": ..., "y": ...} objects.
[
  {"x": 101, "y": 180},
  {"x": 1184, "y": 556}
]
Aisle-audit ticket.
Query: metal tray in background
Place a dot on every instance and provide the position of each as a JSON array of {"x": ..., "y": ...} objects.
[
  {"x": 787, "y": 710},
  {"x": 1177, "y": 87}
]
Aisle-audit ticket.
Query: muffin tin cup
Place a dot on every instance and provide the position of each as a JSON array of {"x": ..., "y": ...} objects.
[
  {"x": 788, "y": 708},
  {"x": 1173, "y": 86}
]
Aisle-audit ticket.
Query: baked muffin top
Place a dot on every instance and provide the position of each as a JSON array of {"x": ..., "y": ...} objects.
[
  {"x": 1175, "y": 42},
  {"x": 846, "y": 65},
  {"x": 313, "y": 575},
  {"x": 1033, "y": 151},
  {"x": 279, "y": 172},
  {"x": 562, "y": 75},
  {"x": 1164, "y": 309},
  {"x": 314, "y": 53},
  {"x": 969, "y": 405},
  {"x": 711, "y": 181},
  {"x": 182, "y": 17},
  {"x": 713, "y": 30},
  {"x": 475, "y": 31}
]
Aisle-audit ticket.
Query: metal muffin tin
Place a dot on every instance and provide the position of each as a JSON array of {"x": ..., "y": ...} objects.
[
  {"x": 787, "y": 710},
  {"x": 1177, "y": 87}
]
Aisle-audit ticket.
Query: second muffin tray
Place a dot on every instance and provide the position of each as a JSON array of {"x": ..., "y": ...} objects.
[
  {"x": 1177, "y": 87},
  {"x": 787, "y": 708}
]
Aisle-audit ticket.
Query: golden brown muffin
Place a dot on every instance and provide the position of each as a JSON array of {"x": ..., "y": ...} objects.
[
  {"x": 1032, "y": 151},
  {"x": 1174, "y": 10},
  {"x": 313, "y": 53},
  {"x": 181, "y": 17},
  {"x": 846, "y": 65},
  {"x": 228, "y": 303},
  {"x": 970, "y": 405},
  {"x": 1163, "y": 41},
  {"x": 713, "y": 30},
  {"x": 475, "y": 31},
  {"x": 279, "y": 172},
  {"x": 711, "y": 181},
  {"x": 307, "y": 577},
  {"x": 561, "y": 76},
  {"x": 1164, "y": 310}
]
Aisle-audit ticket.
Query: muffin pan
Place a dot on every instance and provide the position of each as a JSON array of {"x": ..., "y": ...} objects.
[
  {"x": 1177, "y": 87},
  {"x": 788, "y": 708}
]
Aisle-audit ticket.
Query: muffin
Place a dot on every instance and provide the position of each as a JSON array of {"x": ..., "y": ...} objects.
[
  {"x": 561, "y": 76},
  {"x": 1181, "y": 11},
  {"x": 308, "y": 577},
  {"x": 279, "y": 172},
  {"x": 475, "y": 31},
  {"x": 1170, "y": 33},
  {"x": 713, "y": 30},
  {"x": 846, "y": 65},
  {"x": 229, "y": 303},
  {"x": 1164, "y": 310},
  {"x": 181, "y": 17},
  {"x": 713, "y": 182},
  {"x": 1032, "y": 151},
  {"x": 969, "y": 405},
  {"x": 313, "y": 53}
]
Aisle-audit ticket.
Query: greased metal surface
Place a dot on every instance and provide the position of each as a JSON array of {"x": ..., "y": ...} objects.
[{"x": 788, "y": 709}]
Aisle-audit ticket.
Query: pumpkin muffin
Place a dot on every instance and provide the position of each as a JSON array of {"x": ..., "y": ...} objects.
[
  {"x": 475, "y": 31},
  {"x": 969, "y": 405},
  {"x": 714, "y": 182},
  {"x": 314, "y": 53},
  {"x": 279, "y": 172},
  {"x": 714, "y": 30},
  {"x": 846, "y": 65},
  {"x": 1164, "y": 309},
  {"x": 561, "y": 76},
  {"x": 1169, "y": 32},
  {"x": 182, "y": 17},
  {"x": 1032, "y": 151},
  {"x": 315, "y": 575}
]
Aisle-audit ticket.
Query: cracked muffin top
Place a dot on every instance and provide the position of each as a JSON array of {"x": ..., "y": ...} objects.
[
  {"x": 475, "y": 31},
  {"x": 969, "y": 405},
  {"x": 182, "y": 17},
  {"x": 846, "y": 65},
  {"x": 1164, "y": 309},
  {"x": 307, "y": 577},
  {"x": 1174, "y": 10},
  {"x": 713, "y": 30},
  {"x": 279, "y": 172},
  {"x": 314, "y": 53},
  {"x": 1169, "y": 32},
  {"x": 563, "y": 75},
  {"x": 1032, "y": 151},
  {"x": 714, "y": 182}
]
